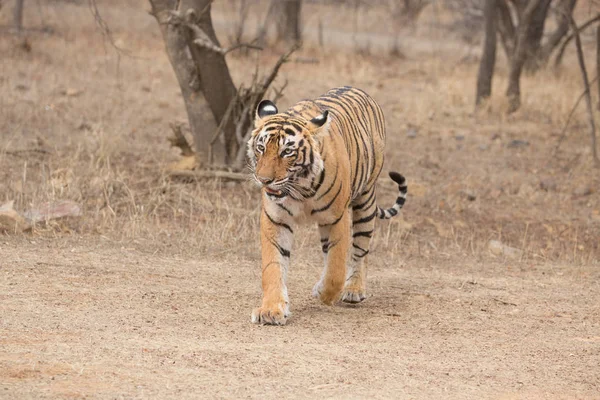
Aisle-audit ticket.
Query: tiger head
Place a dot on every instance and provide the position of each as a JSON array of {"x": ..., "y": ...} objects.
[{"x": 284, "y": 151}]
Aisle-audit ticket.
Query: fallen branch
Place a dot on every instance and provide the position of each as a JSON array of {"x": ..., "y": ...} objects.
[{"x": 205, "y": 174}]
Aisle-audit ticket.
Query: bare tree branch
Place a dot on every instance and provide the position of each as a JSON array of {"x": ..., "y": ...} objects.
[
  {"x": 588, "y": 97},
  {"x": 563, "y": 46},
  {"x": 563, "y": 133}
]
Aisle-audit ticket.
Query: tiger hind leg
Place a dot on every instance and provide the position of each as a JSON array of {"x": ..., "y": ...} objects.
[{"x": 363, "y": 224}]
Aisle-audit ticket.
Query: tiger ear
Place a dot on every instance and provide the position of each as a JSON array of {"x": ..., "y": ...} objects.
[
  {"x": 266, "y": 108},
  {"x": 318, "y": 121}
]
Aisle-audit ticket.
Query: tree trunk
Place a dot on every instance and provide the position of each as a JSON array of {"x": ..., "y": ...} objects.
[
  {"x": 535, "y": 32},
  {"x": 598, "y": 63},
  {"x": 513, "y": 91},
  {"x": 488, "y": 58},
  {"x": 506, "y": 28},
  {"x": 288, "y": 20},
  {"x": 564, "y": 10},
  {"x": 205, "y": 73},
  {"x": 18, "y": 15}
]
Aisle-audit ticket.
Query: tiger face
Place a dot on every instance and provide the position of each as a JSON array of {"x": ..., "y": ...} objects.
[{"x": 284, "y": 151}]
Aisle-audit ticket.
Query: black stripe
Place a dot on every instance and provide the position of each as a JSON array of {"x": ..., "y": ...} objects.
[
  {"x": 364, "y": 233},
  {"x": 285, "y": 209},
  {"x": 364, "y": 252},
  {"x": 316, "y": 188},
  {"x": 362, "y": 205},
  {"x": 281, "y": 224},
  {"x": 296, "y": 125},
  {"x": 365, "y": 219},
  {"x": 328, "y": 204},
  {"x": 332, "y": 185},
  {"x": 334, "y": 222},
  {"x": 284, "y": 252}
]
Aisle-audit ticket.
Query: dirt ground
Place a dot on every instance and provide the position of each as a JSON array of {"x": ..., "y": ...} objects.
[{"x": 148, "y": 294}]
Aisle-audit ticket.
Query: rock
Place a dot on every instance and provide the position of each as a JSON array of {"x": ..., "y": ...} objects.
[
  {"x": 53, "y": 210},
  {"x": 516, "y": 143},
  {"x": 468, "y": 194},
  {"x": 483, "y": 147},
  {"x": 498, "y": 248},
  {"x": 71, "y": 92},
  {"x": 583, "y": 191},
  {"x": 411, "y": 133},
  {"x": 548, "y": 185},
  {"x": 10, "y": 220}
]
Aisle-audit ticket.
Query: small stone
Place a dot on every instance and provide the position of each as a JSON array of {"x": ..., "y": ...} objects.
[
  {"x": 548, "y": 185},
  {"x": 515, "y": 143},
  {"x": 469, "y": 195},
  {"x": 483, "y": 147},
  {"x": 583, "y": 191},
  {"x": 498, "y": 248},
  {"x": 459, "y": 137},
  {"x": 411, "y": 133}
]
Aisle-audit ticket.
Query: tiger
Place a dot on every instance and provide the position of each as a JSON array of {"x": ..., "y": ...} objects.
[{"x": 318, "y": 162}]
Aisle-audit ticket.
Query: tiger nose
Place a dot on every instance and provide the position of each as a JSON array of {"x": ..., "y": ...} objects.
[{"x": 264, "y": 180}]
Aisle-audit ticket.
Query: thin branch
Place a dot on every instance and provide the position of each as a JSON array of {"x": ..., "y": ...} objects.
[
  {"x": 104, "y": 29},
  {"x": 200, "y": 37},
  {"x": 220, "y": 130},
  {"x": 563, "y": 133},
  {"x": 561, "y": 51},
  {"x": 208, "y": 44},
  {"x": 588, "y": 97},
  {"x": 284, "y": 58}
]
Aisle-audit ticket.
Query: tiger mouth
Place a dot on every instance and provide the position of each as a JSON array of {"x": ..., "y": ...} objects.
[{"x": 274, "y": 192}]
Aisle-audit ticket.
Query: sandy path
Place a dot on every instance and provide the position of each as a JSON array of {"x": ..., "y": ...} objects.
[{"x": 91, "y": 319}]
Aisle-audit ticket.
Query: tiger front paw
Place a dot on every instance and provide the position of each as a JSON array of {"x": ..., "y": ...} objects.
[
  {"x": 276, "y": 314},
  {"x": 353, "y": 295},
  {"x": 327, "y": 295}
]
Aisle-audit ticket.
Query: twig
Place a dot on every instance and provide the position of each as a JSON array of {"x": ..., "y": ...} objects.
[
  {"x": 588, "y": 97},
  {"x": 21, "y": 151},
  {"x": 222, "y": 124},
  {"x": 506, "y": 303},
  {"x": 563, "y": 46},
  {"x": 104, "y": 29},
  {"x": 279, "y": 92},
  {"x": 205, "y": 42},
  {"x": 563, "y": 133},
  {"x": 284, "y": 58},
  {"x": 234, "y": 176}
]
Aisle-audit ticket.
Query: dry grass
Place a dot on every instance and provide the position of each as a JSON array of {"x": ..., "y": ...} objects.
[{"x": 103, "y": 121}]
